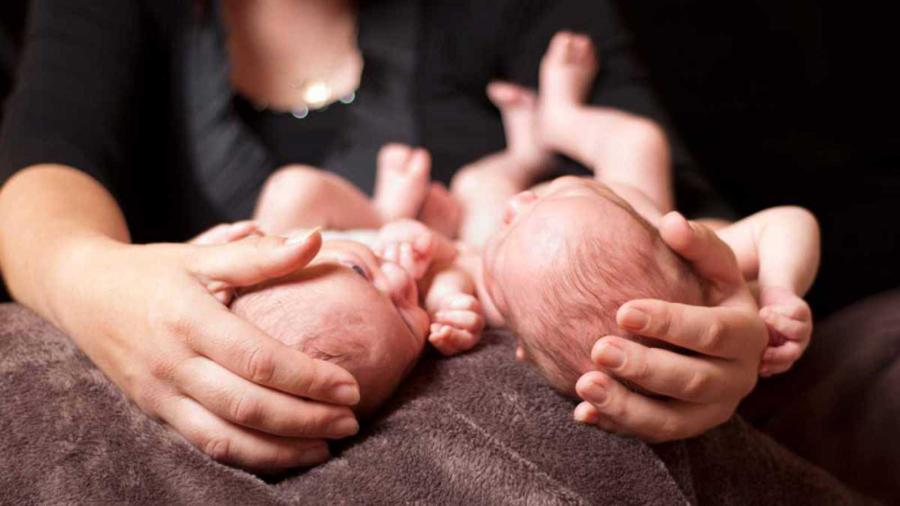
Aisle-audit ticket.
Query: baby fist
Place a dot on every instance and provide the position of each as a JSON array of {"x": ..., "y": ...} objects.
[
  {"x": 456, "y": 323},
  {"x": 789, "y": 320},
  {"x": 408, "y": 244}
]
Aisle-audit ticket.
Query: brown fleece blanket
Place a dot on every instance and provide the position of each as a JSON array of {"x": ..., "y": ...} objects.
[{"x": 475, "y": 429}]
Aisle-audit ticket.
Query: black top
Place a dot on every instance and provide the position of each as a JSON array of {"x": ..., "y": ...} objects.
[{"x": 136, "y": 94}]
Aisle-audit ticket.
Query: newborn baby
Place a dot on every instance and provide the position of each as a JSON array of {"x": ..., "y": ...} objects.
[
  {"x": 351, "y": 306},
  {"x": 570, "y": 253},
  {"x": 561, "y": 259},
  {"x": 347, "y": 307},
  {"x": 567, "y": 256}
]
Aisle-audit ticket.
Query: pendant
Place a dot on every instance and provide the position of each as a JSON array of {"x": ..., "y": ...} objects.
[{"x": 315, "y": 94}]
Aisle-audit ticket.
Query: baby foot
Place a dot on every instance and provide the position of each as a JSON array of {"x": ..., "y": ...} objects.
[
  {"x": 518, "y": 110},
  {"x": 568, "y": 70},
  {"x": 407, "y": 243},
  {"x": 789, "y": 320},
  {"x": 456, "y": 324},
  {"x": 441, "y": 212},
  {"x": 401, "y": 183}
]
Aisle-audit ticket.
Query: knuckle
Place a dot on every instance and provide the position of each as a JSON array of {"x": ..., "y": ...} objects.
[
  {"x": 245, "y": 410},
  {"x": 615, "y": 407},
  {"x": 308, "y": 424},
  {"x": 147, "y": 398},
  {"x": 697, "y": 385},
  {"x": 260, "y": 365},
  {"x": 160, "y": 368},
  {"x": 178, "y": 324},
  {"x": 713, "y": 336},
  {"x": 637, "y": 369},
  {"x": 663, "y": 324},
  {"x": 309, "y": 382},
  {"x": 217, "y": 447}
]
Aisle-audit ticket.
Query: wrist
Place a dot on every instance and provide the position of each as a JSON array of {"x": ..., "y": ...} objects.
[{"x": 72, "y": 269}]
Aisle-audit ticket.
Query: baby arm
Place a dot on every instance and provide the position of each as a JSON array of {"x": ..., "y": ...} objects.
[
  {"x": 779, "y": 248},
  {"x": 457, "y": 318}
]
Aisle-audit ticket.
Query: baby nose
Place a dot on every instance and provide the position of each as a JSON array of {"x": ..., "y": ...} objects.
[
  {"x": 399, "y": 284},
  {"x": 517, "y": 204}
]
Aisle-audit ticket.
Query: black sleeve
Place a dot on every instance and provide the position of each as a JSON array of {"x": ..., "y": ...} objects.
[{"x": 73, "y": 100}]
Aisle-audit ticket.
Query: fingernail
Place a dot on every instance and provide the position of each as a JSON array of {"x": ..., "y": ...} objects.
[
  {"x": 302, "y": 238},
  {"x": 343, "y": 427},
  {"x": 611, "y": 356},
  {"x": 315, "y": 455},
  {"x": 347, "y": 395},
  {"x": 635, "y": 319},
  {"x": 585, "y": 413},
  {"x": 595, "y": 393}
]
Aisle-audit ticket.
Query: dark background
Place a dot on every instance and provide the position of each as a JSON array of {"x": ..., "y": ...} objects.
[
  {"x": 790, "y": 102},
  {"x": 780, "y": 102}
]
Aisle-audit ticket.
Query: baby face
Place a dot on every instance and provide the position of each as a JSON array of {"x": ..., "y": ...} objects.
[
  {"x": 349, "y": 307},
  {"x": 536, "y": 228}
]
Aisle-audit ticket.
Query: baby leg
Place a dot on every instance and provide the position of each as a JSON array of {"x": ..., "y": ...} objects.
[
  {"x": 483, "y": 187},
  {"x": 567, "y": 74},
  {"x": 618, "y": 146},
  {"x": 402, "y": 181},
  {"x": 299, "y": 196},
  {"x": 403, "y": 190},
  {"x": 519, "y": 112}
]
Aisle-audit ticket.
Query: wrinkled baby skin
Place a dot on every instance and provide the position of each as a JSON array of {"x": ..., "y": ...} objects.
[{"x": 348, "y": 307}]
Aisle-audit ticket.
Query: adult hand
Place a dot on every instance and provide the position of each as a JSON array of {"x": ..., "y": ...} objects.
[
  {"x": 150, "y": 318},
  {"x": 687, "y": 393}
]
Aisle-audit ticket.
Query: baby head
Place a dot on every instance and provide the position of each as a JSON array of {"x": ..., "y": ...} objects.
[
  {"x": 566, "y": 258},
  {"x": 347, "y": 307}
]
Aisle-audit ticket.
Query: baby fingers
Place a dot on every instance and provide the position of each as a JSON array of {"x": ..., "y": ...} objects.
[
  {"x": 784, "y": 328},
  {"x": 449, "y": 340},
  {"x": 778, "y": 359},
  {"x": 462, "y": 301},
  {"x": 460, "y": 319}
]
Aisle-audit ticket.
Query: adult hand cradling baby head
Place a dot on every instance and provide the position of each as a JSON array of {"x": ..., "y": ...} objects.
[{"x": 347, "y": 307}]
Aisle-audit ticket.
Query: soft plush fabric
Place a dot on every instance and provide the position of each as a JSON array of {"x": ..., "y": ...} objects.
[
  {"x": 476, "y": 429},
  {"x": 840, "y": 406}
]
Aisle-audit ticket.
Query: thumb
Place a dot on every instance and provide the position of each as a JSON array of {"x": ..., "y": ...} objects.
[
  {"x": 709, "y": 256},
  {"x": 255, "y": 259}
]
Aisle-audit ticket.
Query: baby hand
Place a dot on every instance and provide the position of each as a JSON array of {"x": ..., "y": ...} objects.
[
  {"x": 456, "y": 324},
  {"x": 789, "y": 320},
  {"x": 408, "y": 244}
]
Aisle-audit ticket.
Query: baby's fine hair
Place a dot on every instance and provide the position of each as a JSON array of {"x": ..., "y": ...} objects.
[{"x": 582, "y": 292}]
